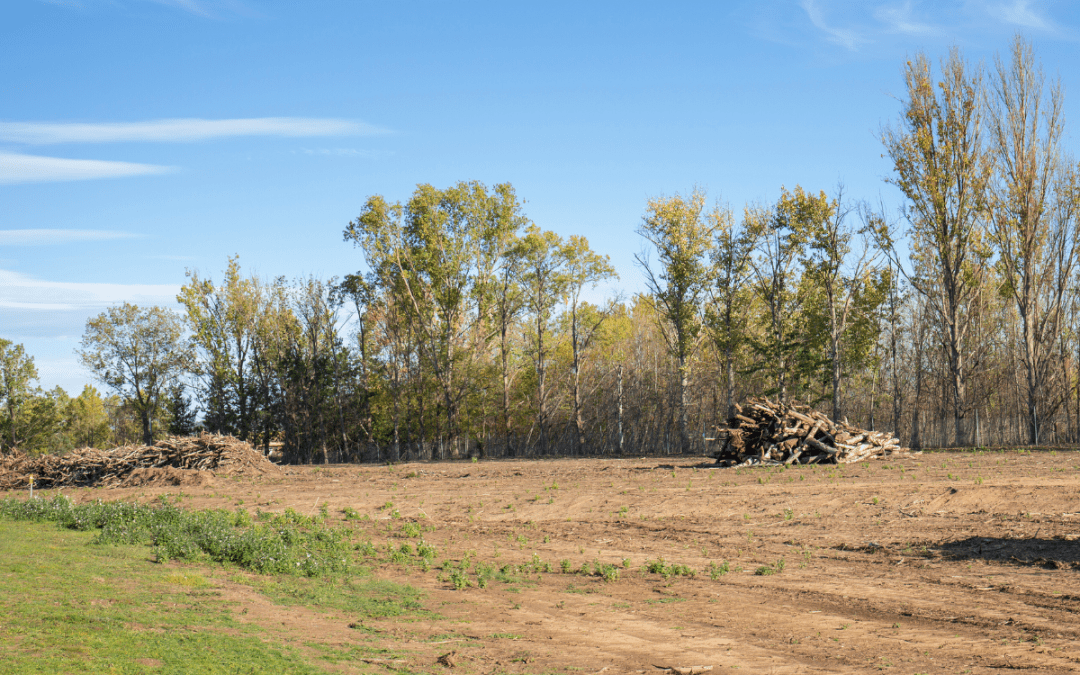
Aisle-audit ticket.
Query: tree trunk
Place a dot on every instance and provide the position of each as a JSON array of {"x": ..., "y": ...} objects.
[{"x": 684, "y": 421}]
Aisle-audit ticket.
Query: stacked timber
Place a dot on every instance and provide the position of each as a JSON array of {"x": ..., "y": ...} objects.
[
  {"x": 89, "y": 466},
  {"x": 771, "y": 433}
]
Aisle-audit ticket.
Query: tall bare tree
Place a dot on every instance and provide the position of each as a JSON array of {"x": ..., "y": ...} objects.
[
  {"x": 584, "y": 268},
  {"x": 1033, "y": 208},
  {"x": 941, "y": 167}
]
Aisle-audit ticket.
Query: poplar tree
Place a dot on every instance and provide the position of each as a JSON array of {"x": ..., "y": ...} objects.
[
  {"x": 941, "y": 166},
  {"x": 1033, "y": 206},
  {"x": 678, "y": 281},
  {"x": 17, "y": 371}
]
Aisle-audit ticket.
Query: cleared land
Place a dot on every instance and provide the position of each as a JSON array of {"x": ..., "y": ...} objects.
[{"x": 936, "y": 563}]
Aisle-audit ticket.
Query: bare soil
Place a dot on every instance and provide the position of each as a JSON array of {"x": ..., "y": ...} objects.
[{"x": 934, "y": 563}]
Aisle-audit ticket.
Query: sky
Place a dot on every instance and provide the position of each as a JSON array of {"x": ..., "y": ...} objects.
[{"x": 140, "y": 139}]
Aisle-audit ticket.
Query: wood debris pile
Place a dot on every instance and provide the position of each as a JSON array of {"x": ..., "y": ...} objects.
[
  {"x": 765, "y": 432},
  {"x": 90, "y": 467}
]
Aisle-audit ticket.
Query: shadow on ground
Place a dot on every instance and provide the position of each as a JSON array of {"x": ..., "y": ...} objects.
[{"x": 1047, "y": 553}]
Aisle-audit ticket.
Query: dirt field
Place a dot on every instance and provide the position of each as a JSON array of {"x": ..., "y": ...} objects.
[{"x": 936, "y": 563}]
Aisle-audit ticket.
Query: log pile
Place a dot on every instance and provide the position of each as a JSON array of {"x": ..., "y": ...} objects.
[
  {"x": 771, "y": 433},
  {"x": 92, "y": 467}
]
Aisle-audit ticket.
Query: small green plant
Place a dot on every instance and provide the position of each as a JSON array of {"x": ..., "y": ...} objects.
[
  {"x": 716, "y": 571},
  {"x": 769, "y": 570},
  {"x": 459, "y": 579}
]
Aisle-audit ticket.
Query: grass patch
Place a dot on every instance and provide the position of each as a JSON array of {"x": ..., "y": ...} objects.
[
  {"x": 287, "y": 543},
  {"x": 359, "y": 596},
  {"x": 69, "y": 606}
]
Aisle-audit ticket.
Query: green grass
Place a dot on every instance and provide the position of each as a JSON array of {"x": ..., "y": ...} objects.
[
  {"x": 90, "y": 588},
  {"x": 73, "y": 607},
  {"x": 360, "y": 597}
]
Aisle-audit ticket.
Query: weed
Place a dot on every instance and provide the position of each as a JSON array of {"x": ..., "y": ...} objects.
[
  {"x": 768, "y": 570},
  {"x": 290, "y": 544},
  {"x": 716, "y": 571}
]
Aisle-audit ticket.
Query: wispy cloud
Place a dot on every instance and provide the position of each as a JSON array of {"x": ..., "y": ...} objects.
[
  {"x": 23, "y": 292},
  {"x": 203, "y": 8},
  {"x": 346, "y": 152},
  {"x": 1021, "y": 13},
  {"x": 17, "y": 168},
  {"x": 187, "y": 5},
  {"x": 844, "y": 37},
  {"x": 55, "y": 237},
  {"x": 180, "y": 130},
  {"x": 899, "y": 20}
]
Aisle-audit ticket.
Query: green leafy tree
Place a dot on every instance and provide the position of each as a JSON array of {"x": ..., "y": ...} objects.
[
  {"x": 43, "y": 422},
  {"x": 545, "y": 281},
  {"x": 445, "y": 246},
  {"x": 679, "y": 280},
  {"x": 17, "y": 373},
  {"x": 780, "y": 233},
  {"x": 182, "y": 413},
  {"x": 88, "y": 420},
  {"x": 224, "y": 321},
  {"x": 139, "y": 354},
  {"x": 727, "y": 313},
  {"x": 840, "y": 275}
]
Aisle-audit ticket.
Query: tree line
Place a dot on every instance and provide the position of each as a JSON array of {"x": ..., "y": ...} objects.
[{"x": 470, "y": 330}]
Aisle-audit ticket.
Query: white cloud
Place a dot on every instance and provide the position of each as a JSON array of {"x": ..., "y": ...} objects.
[
  {"x": 899, "y": 20},
  {"x": 17, "y": 168},
  {"x": 1021, "y": 13},
  {"x": 23, "y": 292},
  {"x": 53, "y": 237},
  {"x": 180, "y": 130},
  {"x": 186, "y": 5},
  {"x": 840, "y": 36}
]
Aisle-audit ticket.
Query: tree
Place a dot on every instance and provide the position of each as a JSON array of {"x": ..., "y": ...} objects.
[
  {"x": 182, "y": 414},
  {"x": 445, "y": 245},
  {"x": 675, "y": 228},
  {"x": 829, "y": 241},
  {"x": 941, "y": 167},
  {"x": 1034, "y": 198},
  {"x": 544, "y": 279},
  {"x": 88, "y": 420},
  {"x": 726, "y": 315},
  {"x": 780, "y": 233},
  {"x": 17, "y": 371},
  {"x": 583, "y": 268},
  {"x": 225, "y": 321},
  {"x": 140, "y": 354}
]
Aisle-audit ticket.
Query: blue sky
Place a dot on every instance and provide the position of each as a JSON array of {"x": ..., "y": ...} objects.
[{"x": 141, "y": 138}]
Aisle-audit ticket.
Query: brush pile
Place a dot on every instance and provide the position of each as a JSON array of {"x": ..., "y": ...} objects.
[
  {"x": 92, "y": 467},
  {"x": 775, "y": 433}
]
